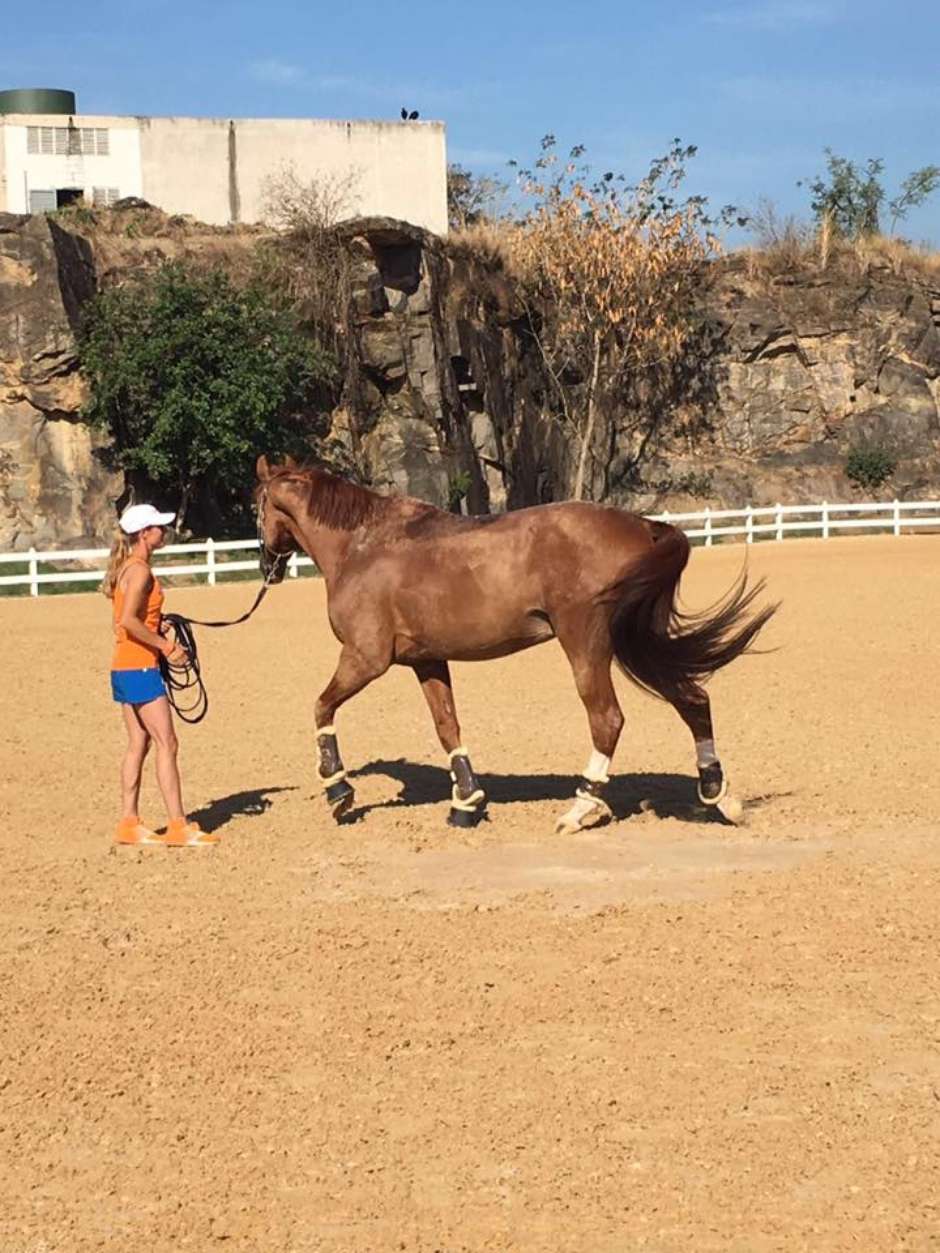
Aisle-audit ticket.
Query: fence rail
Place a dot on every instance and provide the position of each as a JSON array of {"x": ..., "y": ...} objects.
[{"x": 708, "y": 525}]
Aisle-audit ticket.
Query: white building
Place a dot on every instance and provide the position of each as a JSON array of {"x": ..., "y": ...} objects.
[{"x": 212, "y": 168}]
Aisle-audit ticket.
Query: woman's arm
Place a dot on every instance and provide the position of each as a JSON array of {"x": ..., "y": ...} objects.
[{"x": 137, "y": 584}]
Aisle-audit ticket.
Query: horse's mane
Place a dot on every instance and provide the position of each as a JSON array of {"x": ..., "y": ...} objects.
[{"x": 332, "y": 501}]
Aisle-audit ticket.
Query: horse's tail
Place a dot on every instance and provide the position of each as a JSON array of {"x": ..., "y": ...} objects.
[{"x": 661, "y": 648}]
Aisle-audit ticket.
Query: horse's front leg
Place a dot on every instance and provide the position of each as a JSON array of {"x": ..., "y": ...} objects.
[
  {"x": 468, "y": 800},
  {"x": 354, "y": 671}
]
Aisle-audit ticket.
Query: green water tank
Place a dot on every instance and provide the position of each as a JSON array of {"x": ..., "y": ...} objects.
[{"x": 37, "y": 100}]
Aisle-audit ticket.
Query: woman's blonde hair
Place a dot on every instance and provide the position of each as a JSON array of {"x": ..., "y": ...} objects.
[{"x": 120, "y": 551}]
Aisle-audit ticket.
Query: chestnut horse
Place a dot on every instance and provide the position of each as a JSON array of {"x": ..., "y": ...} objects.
[{"x": 410, "y": 585}]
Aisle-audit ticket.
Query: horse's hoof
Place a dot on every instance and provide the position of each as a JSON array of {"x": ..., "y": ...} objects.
[
  {"x": 465, "y": 817},
  {"x": 339, "y": 797},
  {"x": 731, "y": 810},
  {"x": 585, "y": 812}
]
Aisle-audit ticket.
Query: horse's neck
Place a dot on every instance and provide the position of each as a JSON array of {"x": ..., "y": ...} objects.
[{"x": 326, "y": 547}]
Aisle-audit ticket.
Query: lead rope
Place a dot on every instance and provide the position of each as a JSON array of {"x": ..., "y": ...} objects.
[{"x": 183, "y": 679}]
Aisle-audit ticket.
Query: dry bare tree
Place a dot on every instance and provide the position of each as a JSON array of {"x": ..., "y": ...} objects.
[{"x": 608, "y": 275}]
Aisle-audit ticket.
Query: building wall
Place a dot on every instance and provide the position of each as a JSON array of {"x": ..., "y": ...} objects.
[
  {"x": 24, "y": 172},
  {"x": 217, "y": 170}
]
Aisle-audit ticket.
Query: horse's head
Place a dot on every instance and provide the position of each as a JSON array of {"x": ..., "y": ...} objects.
[{"x": 276, "y": 539}]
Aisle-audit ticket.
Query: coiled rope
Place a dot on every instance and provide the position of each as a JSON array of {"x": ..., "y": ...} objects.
[{"x": 185, "y": 689}]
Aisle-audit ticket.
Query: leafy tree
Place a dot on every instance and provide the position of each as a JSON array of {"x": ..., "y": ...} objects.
[
  {"x": 192, "y": 377},
  {"x": 471, "y": 198},
  {"x": 608, "y": 273},
  {"x": 850, "y": 197},
  {"x": 915, "y": 189}
]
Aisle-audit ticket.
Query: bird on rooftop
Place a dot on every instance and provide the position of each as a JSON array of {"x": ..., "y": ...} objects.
[
  {"x": 404, "y": 115},
  {"x": 413, "y": 117}
]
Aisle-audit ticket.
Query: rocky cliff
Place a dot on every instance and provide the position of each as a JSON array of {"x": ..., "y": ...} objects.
[
  {"x": 788, "y": 373},
  {"x": 53, "y": 489},
  {"x": 446, "y": 398}
]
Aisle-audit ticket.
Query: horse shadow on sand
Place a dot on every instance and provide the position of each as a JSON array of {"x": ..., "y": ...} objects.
[
  {"x": 247, "y": 804},
  {"x": 666, "y": 795}
]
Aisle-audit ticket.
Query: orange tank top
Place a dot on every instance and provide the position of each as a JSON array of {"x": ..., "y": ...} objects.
[{"x": 130, "y": 654}]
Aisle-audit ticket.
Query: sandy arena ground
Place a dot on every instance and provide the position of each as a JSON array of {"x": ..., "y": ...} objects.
[{"x": 668, "y": 1034}]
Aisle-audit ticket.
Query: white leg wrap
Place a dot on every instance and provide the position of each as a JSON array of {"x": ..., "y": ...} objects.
[
  {"x": 334, "y": 778},
  {"x": 705, "y": 753},
  {"x": 325, "y": 731},
  {"x": 597, "y": 768},
  {"x": 469, "y": 804}
]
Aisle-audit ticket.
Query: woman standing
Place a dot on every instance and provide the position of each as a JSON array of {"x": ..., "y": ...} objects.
[{"x": 136, "y": 682}]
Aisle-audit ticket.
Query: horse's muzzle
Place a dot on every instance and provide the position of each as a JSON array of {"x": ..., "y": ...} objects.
[{"x": 273, "y": 566}]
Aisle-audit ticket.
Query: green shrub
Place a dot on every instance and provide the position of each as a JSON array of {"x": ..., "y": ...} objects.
[{"x": 870, "y": 465}]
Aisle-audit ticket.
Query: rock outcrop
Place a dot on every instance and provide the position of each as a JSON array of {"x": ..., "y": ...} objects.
[
  {"x": 806, "y": 367},
  {"x": 54, "y": 491},
  {"x": 446, "y": 396}
]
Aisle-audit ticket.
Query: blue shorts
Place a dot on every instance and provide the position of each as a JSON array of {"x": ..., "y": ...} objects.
[{"x": 137, "y": 687}]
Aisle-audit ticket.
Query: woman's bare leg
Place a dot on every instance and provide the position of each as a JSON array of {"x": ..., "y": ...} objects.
[
  {"x": 138, "y": 742},
  {"x": 158, "y": 723}
]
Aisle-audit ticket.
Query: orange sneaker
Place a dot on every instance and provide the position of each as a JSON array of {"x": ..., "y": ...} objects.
[
  {"x": 133, "y": 831},
  {"x": 188, "y": 835}
]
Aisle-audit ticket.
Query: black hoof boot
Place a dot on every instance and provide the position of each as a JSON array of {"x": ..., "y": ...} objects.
[
  {"x": 339, "y": 797},
  {"x": 711, "y": 784},
  {"x": 466, "y": 817}
]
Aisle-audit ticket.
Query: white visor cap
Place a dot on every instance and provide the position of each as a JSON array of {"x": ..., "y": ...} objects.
[{"x": 137, "y": 517}]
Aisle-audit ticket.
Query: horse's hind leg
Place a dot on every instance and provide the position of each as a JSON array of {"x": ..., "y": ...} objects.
[
  {"x": 353, "y": 672},
  {"x": 590, "y": 655},
  {"x": 468, "y": 801},
  {"x": 693, "y": 706}
]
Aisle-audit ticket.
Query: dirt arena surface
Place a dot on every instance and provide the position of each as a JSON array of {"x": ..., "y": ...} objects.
[{"x": 666, "y": 1034}]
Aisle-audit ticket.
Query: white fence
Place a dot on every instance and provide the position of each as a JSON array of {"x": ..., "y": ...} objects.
[{"x": 768, "y": 522}]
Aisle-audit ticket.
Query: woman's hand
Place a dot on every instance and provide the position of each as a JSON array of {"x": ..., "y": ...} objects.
[{"x": 174, "y": 652}]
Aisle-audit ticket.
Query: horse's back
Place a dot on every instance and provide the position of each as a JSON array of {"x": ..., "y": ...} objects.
[{"x": 471, "y": 588}]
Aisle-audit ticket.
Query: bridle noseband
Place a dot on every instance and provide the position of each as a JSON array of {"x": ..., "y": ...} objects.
[{"x": 275, "y": 561}]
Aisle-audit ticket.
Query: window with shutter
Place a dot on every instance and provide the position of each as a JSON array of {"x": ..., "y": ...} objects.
[
  {"x": 42, "y": 201},
  {"x": 62, "y": 141}
]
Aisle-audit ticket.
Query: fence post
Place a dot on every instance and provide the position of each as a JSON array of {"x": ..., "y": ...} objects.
[
  {"x": 292, "y": 568},
  {"x": 33, "y": 573},
  {"x": 750, "y": 524},
  {"x": 708, "y": 528},
  {"x": 779, "y": 520},
  {"x": 210, "y": 561},
  {"x": 897, "y": 517},
  {"x": 825, "y": 519}
]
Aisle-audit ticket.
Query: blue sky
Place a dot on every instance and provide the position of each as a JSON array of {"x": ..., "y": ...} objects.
[{"x": 761, "y": 86}]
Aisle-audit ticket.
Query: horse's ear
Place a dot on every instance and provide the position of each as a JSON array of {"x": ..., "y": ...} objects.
[{"x": 262, "y": 469}]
